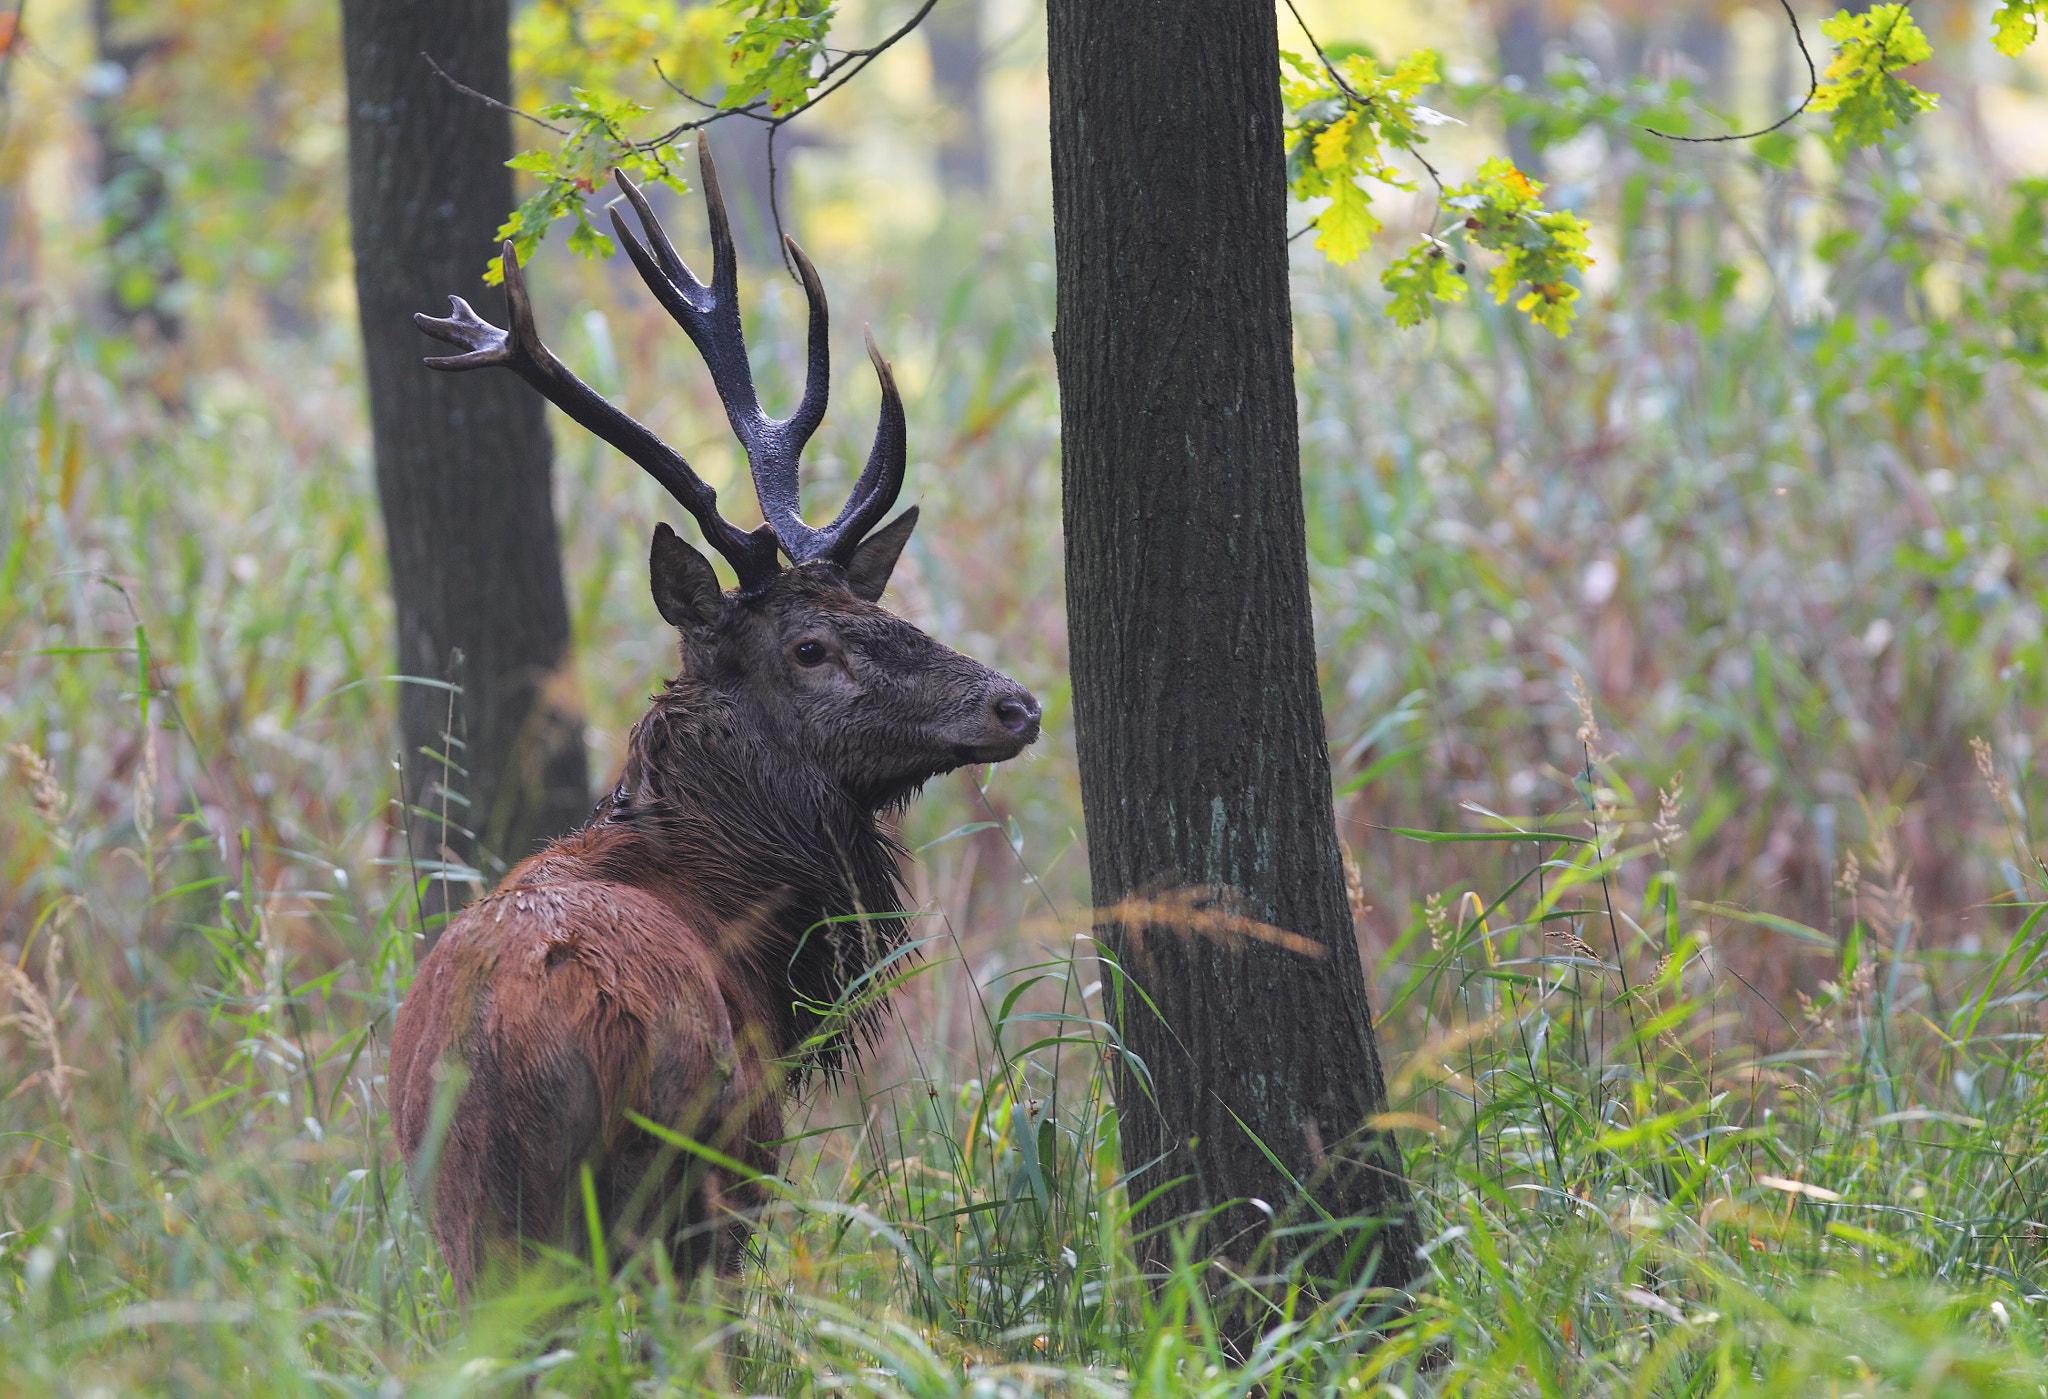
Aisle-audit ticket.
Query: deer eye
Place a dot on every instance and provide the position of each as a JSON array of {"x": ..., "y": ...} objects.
[{"x": 810, "y": 653}]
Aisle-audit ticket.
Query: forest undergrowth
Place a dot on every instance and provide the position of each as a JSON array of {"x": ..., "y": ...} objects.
[{"x": 1683, "y": 680}]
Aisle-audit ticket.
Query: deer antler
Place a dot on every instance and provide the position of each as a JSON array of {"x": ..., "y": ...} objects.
[
  {"x": 520, "y": 350},
  {"x": 710, "y": 313}
]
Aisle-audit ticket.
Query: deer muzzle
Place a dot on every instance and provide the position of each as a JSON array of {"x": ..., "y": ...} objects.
[{"x": 1005, "y": 725}]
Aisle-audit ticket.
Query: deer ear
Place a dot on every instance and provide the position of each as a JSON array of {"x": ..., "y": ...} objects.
[
  {"x": 685, "y": 588},
  {"x": 876, "y": 557}
]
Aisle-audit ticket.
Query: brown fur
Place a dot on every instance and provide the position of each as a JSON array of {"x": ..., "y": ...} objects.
[{"x": 674, "y": 957}]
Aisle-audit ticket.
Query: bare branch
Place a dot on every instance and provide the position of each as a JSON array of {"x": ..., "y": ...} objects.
[
  {"x": 679, "y": 90},
  {"x": 1812, "y": 91},
  {"x": 860, "y": 58},
  {"x": 1328, "y": 67},
  {"x": 487, "y": 99}
]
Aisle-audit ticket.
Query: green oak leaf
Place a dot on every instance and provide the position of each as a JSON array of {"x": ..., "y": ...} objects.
[
  {"x": 1860, "y": 87},
  {"x": 1418, "y": 279},
  {"x": 2016, "y": 24}
]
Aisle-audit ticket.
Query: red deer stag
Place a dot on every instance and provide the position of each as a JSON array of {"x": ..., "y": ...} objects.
[{"x": 680, "y": 957}]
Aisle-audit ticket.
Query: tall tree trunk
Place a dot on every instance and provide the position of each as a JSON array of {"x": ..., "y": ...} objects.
[
  {"x": 141, "y": 256},
  {"x": 1518, "y": 33},
  {"x": 1197, "y": 714},
  {"x": 463, "y": 460},
  {"x": 952, "y": 35},
  {"x": 17, "y": 259},
  {"x": 755, "y": 187}
]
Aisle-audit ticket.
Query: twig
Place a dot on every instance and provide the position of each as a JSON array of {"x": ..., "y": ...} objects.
[
  {"x": 486, "y": 98},
  {"x": 846, "y": 67},
  {"x": 865, "y": 56},
  {"x": 775, "y": 208},
  {"x": 859, "y": 58},
  {"x": 1328, "y": 67},
  {"x": 679, "y": 90},
  {"x": 1812, "y": 91},
  {"x": 1363, "y": 103}
]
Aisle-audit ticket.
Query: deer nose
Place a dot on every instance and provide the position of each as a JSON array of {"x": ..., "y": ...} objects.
[{"x": 1018, "y": 713}]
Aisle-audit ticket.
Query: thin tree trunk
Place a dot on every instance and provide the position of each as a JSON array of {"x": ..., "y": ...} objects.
[
  {"x": 1519, "y": 37},
  {"x": 141, "y": 257},
  {"x": 755, "y": 188},
  {"x": 1197, "y": 714},
  {"x": 463, "y": 460},
  {"x": 952, "y": 34},
  {"x": 17, "y": 259}
]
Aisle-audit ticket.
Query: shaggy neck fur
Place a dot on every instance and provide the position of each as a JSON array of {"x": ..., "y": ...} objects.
[{"x": 790, "y": 880}]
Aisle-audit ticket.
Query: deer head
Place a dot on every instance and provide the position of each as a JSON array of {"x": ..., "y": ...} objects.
[{"x": 804, "y": 652}]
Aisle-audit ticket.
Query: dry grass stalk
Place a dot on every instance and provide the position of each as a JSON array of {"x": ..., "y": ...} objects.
[
  {"x": 1437, "y": 919},
  {"x": 1354, "y": 887},
  {"x": 1573, "y": 944},
  {"x": 1589, "y": 727},
  {"x": 37, "y": 1018},
  {"x": 1201, "y": 910},
  {"x": 1987, "y": 768},
  {"x": 145, "y": 805},
  {"x": 1666, "y": 829},
  {"x": 1850, "y": 881},
  {"x": 52, "y": 802},
  {"x": 1431, "y": 1061},
  {"x": 1886, "y": 899}
]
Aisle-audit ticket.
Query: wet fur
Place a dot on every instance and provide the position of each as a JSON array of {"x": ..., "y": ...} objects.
[{"x": 674, "y": 957}]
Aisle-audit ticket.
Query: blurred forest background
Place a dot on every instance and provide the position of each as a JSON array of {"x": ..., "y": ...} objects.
[
  {"x": 1774, "y": 502},
  {"x": 1765, "y": 532}
]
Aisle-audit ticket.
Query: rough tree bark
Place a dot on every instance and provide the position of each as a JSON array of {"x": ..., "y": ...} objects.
[
  {"x": 463, "y": 460},
  {"x": 1197, "y": 714}
]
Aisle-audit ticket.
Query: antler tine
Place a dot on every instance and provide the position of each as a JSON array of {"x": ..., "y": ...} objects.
[
  {"x": 881, "y": 480},
  {"x": 810, "y": 409},
  {"x": 520, "y": 350},
  {"x": 710, "y": 315},
  {"x": 669, "y": 263}
]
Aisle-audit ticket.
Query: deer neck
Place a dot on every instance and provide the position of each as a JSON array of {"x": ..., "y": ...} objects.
[{"x": 794, "y": 878}]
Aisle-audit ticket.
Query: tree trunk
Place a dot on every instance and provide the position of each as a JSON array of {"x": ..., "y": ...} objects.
[
  {"x": 755, "y": 187},
  {"x": 1518, "y": 30},
  {"x": 1197, "y": 714},
  {"x": 952, "y": 35},
  {"x": 141, "y": 255},
  {"x": 463, "y": 460}
]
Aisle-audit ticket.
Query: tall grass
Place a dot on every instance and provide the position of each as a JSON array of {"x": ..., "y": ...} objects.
[{"x": 1708, "y": 949}]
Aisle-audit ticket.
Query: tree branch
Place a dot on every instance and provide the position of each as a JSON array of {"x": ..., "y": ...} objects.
[
  {"x": 1363, "y": 103},
  {"x": 486, "y": 98},
  {"x": 1812, "y": 91},
  {"x": 859, "y": 59}
]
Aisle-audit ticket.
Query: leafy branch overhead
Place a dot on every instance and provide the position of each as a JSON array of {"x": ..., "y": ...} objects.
[
  {"x": 1346, "y": 117},
  {"x": 1351, "y": 126},
  {"x": 757, "y": 60},
  {"x": 594, "y": 144}
]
